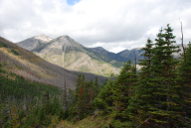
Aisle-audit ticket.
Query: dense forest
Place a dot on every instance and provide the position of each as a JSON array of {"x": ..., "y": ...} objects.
[{"x": 155, "y": 96}]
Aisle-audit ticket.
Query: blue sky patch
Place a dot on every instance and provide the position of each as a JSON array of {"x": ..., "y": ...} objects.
[{"x": 72, "y": 2}]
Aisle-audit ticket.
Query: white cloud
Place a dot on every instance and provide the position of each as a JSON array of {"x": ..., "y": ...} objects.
[{"x": 117, "y": 24}]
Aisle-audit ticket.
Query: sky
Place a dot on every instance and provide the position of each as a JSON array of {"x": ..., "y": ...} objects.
[
  {"x": 72, "y": 2},
  {"x": 112, "y": 24}
]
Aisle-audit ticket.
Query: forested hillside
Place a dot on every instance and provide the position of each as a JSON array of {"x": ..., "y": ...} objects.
[
  {"x": 33, "y": 92},
  {"x": 27, "y": 104}
]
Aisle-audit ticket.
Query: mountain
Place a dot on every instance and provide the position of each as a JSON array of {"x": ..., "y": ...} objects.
[
  {"x": 107, "y": 56},
  {"x": 26, "y": 64},
  {"x": 67, "y": 53},
  {"x": 120, "y": 58},
  {"x": 131, "y": 55},
  {"x": 35, "y": 42}
]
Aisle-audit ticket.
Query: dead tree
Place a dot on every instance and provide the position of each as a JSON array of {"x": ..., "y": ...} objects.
[
  {"x": 182, "y": 41},
  {"x": 65, "y": 95}
]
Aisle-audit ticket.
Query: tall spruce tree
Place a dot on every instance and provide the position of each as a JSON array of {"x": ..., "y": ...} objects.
[
  {"x": 123, "y": 90},
  {"x": 156, "y": 103},
  {"x": 166, "y": 110},
  {"x": 85, "y": 93},
  {"x": 141, "y": 102},
  {"x": 104, "y": 100}
]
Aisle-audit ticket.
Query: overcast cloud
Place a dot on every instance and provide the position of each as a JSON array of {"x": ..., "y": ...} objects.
[{"x": 112, "y": 24}]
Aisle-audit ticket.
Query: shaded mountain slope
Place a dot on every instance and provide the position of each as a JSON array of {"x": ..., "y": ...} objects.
[
  {"x": 24, "y": 63},
  {"x": 129, "y": 55},
  {"x": 107, "y": 56}
]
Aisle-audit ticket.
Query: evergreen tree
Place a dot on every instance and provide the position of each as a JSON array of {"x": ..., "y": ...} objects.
[
  {"x": 80, "y": 97},
  {"x": 156, "y": 102},
  {"x": 141, "y": 101},
  {"x": 165, "y": 106},
  {"x": 123, "y": 90},
  {"x": 85, "y": 93},
  {"x": 105, "y": 99}
]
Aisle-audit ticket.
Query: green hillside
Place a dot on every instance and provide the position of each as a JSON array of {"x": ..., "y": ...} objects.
[{"x": 27, "y": 104}]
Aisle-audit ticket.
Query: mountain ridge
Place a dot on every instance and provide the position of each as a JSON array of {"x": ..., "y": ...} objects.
[{"x": 68, "y": 53}]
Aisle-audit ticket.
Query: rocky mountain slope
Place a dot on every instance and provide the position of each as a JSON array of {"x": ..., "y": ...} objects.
[
  {"x": 26, "y": 64},
  {"x": 67, "y": 53}
]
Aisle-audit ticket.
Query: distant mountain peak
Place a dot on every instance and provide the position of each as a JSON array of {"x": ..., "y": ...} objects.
[
  {"x": 65, "y": 41},
  {"x": 65, "y": 38},
  {"x": 42, "y": 37}
]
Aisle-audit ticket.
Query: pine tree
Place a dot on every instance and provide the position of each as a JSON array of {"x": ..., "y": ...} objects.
[
  {"x": 65, "y": 99},
  {"x": 123, "y": 90},
  {"x": 85, "y": 93},
  {"x": 156, "y": 103},
  {"x": 104, "y": 100},
  {"x": 140, "y": 102},
  {"x": 80, "y": 97},
  {"x": 166, "y": 108}
]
